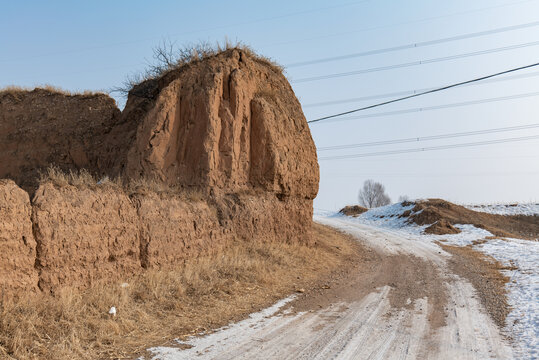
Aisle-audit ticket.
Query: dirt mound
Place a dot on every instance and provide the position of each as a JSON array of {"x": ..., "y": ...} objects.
[
  {"x": 43, "y": 127},
  {"x": 353, "y": 210},
  {"x": 17, "y": 245},
  {"x": 445, "y": 214},
  {"x": 441, "y": 227}
]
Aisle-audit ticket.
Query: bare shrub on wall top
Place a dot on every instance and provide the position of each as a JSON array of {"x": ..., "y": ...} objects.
[
  {"x": 167, "y": 56},
  {"x": 373, "y": 194}
]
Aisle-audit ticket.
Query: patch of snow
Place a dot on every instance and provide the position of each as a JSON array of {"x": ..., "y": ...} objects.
[
  {"x": 507, "y": 209},
  {"x": 522, "y": 323},
  {"x": 387, "y": 211},
  {"x": 523, "y": 320},
  {"x": 384, "y": 216},
  {"x": 234, "y": 333}
]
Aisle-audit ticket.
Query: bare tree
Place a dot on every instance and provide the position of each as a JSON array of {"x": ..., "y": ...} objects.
[{"x": 373, "y": 194}]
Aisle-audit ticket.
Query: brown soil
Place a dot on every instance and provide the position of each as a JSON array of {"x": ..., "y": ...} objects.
[
  {"x": 483, "y": 272},
  {"x": 157, "y": 306},
  {"x": 17, "y": 244},
  {"x": 44, "y": 126},
  {"x": 409, "y": 277},
  {"x": 436, "y": 210},
  {"x": 229, "y": 122},
  {"x": 442, "y": 227},
  {"x": 353, "y": 210}
]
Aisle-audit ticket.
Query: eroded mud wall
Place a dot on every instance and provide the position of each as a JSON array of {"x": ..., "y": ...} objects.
[
  {"x": 230, "y": 122},
  {"x": 174, "y": 229},
  {"x": 83, "y": 235},
  {"x": 228, "y": 128},
  {"x": 41, "y": 127},
  {"x": 17, "y": 245}
]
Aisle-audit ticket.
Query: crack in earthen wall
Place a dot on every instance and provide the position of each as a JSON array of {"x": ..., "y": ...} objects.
[{"x": 35, "y": 231}]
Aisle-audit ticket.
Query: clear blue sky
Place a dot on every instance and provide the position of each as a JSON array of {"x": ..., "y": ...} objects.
[{"x": 95, "y": 45}]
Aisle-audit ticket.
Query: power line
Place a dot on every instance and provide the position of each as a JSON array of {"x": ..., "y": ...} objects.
[
  {"x": 415, "y": 63},
  {"x": 408, "y": 92},
  {"x": 444, "y": 106},
  {"x": 432, "y": 148},
  {"x": 402, "y": 23},
  {"x": 427, "y": 138},
  {"x": 423, "y": 175},
  {"x": 460, "y": 158},
  {"x": 414, "y": 45},
  {"x": 425, "y": 92}
]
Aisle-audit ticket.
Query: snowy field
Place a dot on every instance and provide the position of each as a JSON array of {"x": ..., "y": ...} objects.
[
  {"x": 507, "y": 209},
  {"x": 523, "y": 288}
]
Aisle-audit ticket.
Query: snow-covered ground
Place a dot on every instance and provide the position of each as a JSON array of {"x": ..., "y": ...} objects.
[
  {"x": 507, "y": 209},
  {"x": 523, "y": 295}
]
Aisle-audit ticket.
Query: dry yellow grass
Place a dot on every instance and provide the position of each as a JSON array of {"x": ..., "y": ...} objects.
[
  {"x": 84, "y": 179},
  {"x": 159, "y": 306},
  {"x": 57, "y": 176},
  {"x": 13, "y": 90}
]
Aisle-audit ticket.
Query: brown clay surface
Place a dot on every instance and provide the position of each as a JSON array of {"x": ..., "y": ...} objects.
[
  {"x": 173, "y": 230},
  {"x": 434, "y": 210},
  {"x": 264, "y": 217},
  {"x": 229, "y": 122},
  {"x": 43, "y": 127},
  {"x": 228, "y": 126},
  {"x": 17, "y": 245},
  {"x": 84, "y": 235}
]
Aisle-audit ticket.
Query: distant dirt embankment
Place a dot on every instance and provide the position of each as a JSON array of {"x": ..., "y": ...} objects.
[
  {"x": 441, "y": 216},
  {"x": 227, "y": 128},
  {"x": 353, "y": 210}
]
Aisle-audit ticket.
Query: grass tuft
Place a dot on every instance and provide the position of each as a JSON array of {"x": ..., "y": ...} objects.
[
  {"x": 17, "y": 90},
  {"x": 84, "y": 179}
]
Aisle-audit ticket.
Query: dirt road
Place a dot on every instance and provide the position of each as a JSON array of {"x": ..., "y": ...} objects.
[{"x": 406, "y": 304}]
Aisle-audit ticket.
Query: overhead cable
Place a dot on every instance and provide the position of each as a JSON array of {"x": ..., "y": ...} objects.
[
  {"x": 431, "y": 148},
  {"x": 425, "y": 92}
]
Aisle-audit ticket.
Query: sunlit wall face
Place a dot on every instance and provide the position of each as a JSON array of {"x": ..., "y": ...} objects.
[{"x": 96, "y": 45}]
